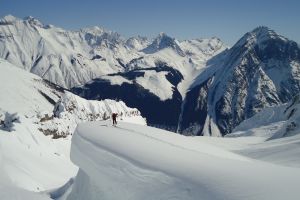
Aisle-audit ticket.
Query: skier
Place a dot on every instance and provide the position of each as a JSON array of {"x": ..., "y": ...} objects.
[{"x": 114, "y": 118}]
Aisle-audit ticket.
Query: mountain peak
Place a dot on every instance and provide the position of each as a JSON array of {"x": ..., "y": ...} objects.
[
  {"x": 264, "y": 32},
  {"x": 162, "y": 34},
  {"x": 163, "y": 41},
  {"x": 262, "y": 29},
  {"x": 137, "y": 42},
  {"x": 93, "y": 29},
  {"x": 258, "y": 36},
  {"x": 33, "y": 21},
  {"x": 8, "y": 19}
]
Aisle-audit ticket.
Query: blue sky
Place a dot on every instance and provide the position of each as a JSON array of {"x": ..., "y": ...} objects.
[{"x": 183, "y": 19}]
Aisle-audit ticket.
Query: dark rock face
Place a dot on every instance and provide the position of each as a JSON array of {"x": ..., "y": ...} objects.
[
  {"x": 261, "y": 70},
  {"x": 194, "y": 109},
  {"x": 163, "y": 114}
]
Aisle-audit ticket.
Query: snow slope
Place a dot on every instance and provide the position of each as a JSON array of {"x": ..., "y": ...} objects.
[
  {"x": 169, "y": 53},
  {"x": 30, "y": 161},
  {"x": 9, "y": 191},
  {"x": 23, "y": 92},
  {"x": 34, "y": 155},
  {"x": 139, "y": 162}
]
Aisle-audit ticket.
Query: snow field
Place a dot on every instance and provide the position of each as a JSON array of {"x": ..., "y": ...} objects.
[{"x": 134, "y": 162}]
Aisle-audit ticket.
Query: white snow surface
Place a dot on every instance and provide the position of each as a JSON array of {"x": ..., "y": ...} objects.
[
  {"x": 21, "y": 91},
  {"x": 72, "y": 109},
  {"x": 157, "y": 83},
  {"x": 116, "y": 80},
  {"x": 32, "y": 163},
  {"x": 139, "y": 162},
  {"x": 259, "y": 161}
]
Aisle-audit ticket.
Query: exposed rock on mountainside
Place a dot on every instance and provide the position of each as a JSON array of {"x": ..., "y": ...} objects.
[{"x": 262, "y": 69}]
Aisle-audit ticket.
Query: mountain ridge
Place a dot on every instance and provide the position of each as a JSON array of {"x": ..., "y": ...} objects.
[
  {"x": 72, "y": 58},
  {"x": 260, "y": 70}
]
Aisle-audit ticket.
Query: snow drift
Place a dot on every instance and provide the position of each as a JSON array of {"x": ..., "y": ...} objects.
[{"x": 139, "y": 162}]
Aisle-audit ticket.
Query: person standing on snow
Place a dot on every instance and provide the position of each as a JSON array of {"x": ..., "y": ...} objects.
[{"x": 114, "y": 118}]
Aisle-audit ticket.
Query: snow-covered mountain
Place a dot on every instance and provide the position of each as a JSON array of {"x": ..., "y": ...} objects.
[
  {"x": 197, "y": 87},
  {"x": 161, "y": 42},
  {"x": 37, "y": 120},
  {"x": 261, "y": 70},
  {"x": 125, "y": 159},
  {"x": 66, "y": 58},
  {"x": 224, "y": 86},
  {"x": 138, "y": 42},
  {"x": 72, "y": 58},
  {"x": 161, "y": 69},
  {"x": 156, "y": 82}
]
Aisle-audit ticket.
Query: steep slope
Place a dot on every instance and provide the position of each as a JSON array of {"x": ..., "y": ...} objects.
[
  {"x": 262, "y": 69},
  {"x": 35, "y": 142},
  {"x": 24, "y": 92},
  {"x": 26, "y": 152}
]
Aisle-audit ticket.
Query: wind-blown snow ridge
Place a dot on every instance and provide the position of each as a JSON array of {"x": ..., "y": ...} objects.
[{"x": 139, "y": 162}]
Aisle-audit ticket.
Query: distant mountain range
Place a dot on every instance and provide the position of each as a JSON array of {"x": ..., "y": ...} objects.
[
  {"x": 195, "y": 87},
  {"x": 72, "y": 58}
]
